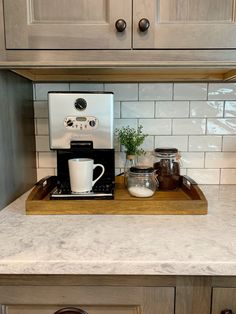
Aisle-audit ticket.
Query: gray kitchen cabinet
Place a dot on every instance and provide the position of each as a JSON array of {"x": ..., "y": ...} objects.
[
  {"x": 185, "y": 24},
  {"x": 92, "y": 299},
  {"x": 223, "y": 299},
  {"x": 66, "y": 24},
  {"x": 113, "y": 294},
  {"x": 89, "y": 24}
]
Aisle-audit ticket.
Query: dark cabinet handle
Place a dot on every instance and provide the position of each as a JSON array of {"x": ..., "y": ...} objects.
[
  {"x": 144, "y": 25},
  {"x": 227, "y": 311},
  {"x": 70, "y": 310},
  {"x": 120, "y": 25}
]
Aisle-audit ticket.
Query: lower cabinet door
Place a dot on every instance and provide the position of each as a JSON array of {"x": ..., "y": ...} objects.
[
  {"x": 224, "y": 300},
  {"x": 88, "y": 299}
]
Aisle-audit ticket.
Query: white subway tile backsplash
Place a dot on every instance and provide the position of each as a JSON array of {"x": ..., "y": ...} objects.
[
  {"x": 137, "y": 109},
  {"x": 42, "y": 127},
  {"x": 156, "y": 126},
  {"x": 230, "y": 109},
  {"x": 172, "y": 109},
  {"x": 86, "y": 87},
  {"x": 221, "y": 126},
  {"x": 229, "y": 143},
  {"x": 189, "y": 126},
  {"x": 116, "y": 109},
  {"x": 222, "y": 91},
  {"x": 204, "y": 109},
  {"x": 42, "y": 89},
  {"x": 120, "y": 160},
  {"x": 123, "y": 92},
  {"x": 155, "y": 91},
  {"x": 42, "y": 143},
  {"x": 148, "y": 144},
  {"x": 179, "y": 142},
  {"x": 47, "y": 160},
  {"x": 190, "y": 91},
  {"x": 119, "y": 123},
  {"x": 205, "y": 143},
  {"x": 228, "y": 176},
  {"x": 220, "y": 160},
  {"x": 40, "y": 109},
  {"x": 192, "y": 160},
  {"x": 173, "y": 114},
  {"x": 44, "y": 172},
  {"x": 205, "y": 176}
]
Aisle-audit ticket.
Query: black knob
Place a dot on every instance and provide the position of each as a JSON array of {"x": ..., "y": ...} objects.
[
  {"x": 227, "y": 311},
  {"x": 80, "y": 104},
  {"x": 143, "y": 25},
  {"x": 120, "y": 25},
  {"x": 70, "y": 310},
  {"x": 92, "y": 123},
  {"x": 69, "y": 122}
]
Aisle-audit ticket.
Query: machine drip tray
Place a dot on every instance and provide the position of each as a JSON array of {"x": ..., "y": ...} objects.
[
  {"x": 58, "y": 195},
  {"x": 62, "y": 191}
]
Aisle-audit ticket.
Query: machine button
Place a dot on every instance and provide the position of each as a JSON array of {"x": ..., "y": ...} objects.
[
  {"x": 92, "y": 123},
  {"x": 69, "y": 122}
]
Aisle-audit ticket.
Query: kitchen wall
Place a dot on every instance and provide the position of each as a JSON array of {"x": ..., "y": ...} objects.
[
  {"x": 17, "y": 141},
  {"x": 197, "y": 118}
]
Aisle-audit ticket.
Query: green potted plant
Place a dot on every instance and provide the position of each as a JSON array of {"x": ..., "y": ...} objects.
[{"x": 131, "y": 139}]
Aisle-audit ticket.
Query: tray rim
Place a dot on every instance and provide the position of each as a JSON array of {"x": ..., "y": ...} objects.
[{"x": 132, "y": 206}]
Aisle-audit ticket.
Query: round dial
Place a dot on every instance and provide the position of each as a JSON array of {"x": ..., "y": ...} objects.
[
  {"x": 69, "y": 122},
  {"x": 92, "y": 123},
  {"x": 80, "y": 104}
]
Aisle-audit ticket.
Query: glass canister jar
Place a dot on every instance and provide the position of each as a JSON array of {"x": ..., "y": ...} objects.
[
  {"x": 141, "y": 181},
  {"x": 167, "y": 166}
]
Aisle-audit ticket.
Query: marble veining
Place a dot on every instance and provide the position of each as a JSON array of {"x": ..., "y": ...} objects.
[{"x": 122, "y": 244}]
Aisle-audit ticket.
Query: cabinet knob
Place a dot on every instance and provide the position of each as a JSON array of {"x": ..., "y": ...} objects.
[
  {"x": 120, "y": 25},
  {"x": 70, "y": 310},
  {"x": 227, "y": 311},
  {"x": 144, "y": 25}
]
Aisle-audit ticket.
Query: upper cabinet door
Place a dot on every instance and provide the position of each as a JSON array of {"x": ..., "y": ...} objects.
[
  {"x": 67, "y": 24},
  {"x": 179, "y": 24}
]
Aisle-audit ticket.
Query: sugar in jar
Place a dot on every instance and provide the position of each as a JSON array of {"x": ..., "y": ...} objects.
[
  {"x": 167, "y": 166},
  {"x": 141, "y": 181}
]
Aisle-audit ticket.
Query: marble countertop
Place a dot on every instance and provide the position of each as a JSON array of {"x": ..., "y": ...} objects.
[{"x": 116, "y": 244}]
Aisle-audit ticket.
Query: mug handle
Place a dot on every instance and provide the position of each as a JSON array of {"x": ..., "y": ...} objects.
[{"x": 103, "y": 170}]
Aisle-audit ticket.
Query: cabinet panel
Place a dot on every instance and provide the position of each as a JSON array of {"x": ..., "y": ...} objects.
[
  {"x": 66, "y": 24},
  {"x": 89, "y": 309},
  {"x": 223, "y": 298},
  {"x": 185, "y": 24},
  {"x": 93, "y": 299}
]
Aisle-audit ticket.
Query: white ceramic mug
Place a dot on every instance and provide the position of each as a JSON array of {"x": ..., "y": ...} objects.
[{"x": 81, "y": 174}]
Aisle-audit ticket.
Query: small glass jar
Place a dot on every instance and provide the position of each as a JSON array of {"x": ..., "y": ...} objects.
[
  {"x": 142, "y": 181},
  {"x": 131, "y": 161},
  {"x": 167, "y": 166}
]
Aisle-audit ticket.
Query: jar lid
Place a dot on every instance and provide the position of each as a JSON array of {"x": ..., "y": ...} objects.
[
  {"x": 166, "y": 150},
  {"x": 141, "y": 169}
]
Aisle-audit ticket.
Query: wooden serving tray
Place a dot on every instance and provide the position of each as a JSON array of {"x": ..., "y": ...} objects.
[{"x": 186, "y": 200}]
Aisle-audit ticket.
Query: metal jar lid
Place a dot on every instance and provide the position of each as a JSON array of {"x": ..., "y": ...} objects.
[
  {"x": 141, "y": 169},
  {"x": 166, "y": 150}
]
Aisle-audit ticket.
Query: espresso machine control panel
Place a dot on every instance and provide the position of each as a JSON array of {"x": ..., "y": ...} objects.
[
  {"x": 81, "y": 123},
  {"x": 80, "y": 116}
]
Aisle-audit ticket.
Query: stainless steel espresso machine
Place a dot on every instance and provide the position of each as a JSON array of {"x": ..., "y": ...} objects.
[{"x": 81, "y": 126}]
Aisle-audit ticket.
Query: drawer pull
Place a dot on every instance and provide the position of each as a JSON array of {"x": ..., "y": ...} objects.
[
  {"x": 227, "y": 311},
  {"x": 70, "y": 310}
]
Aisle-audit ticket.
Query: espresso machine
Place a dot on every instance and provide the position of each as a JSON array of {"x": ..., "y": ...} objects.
[{"x": 81, "y": 126}]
